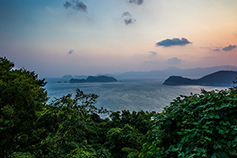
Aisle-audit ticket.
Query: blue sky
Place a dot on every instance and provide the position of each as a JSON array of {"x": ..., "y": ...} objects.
[{"x": 87, "y": 37}]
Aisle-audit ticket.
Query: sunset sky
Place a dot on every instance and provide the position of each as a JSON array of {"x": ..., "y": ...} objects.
[{"x": 87, "y": 37}]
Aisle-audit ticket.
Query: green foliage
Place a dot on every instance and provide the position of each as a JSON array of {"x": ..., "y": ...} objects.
[
  {"x": 88, "y": 152},
  {"x": 22, "y": 98},
  {"x": 127, "y": 131},
  {"x": 199, "y": 125},
  {"x": 21, "y": 155},
  {"x": 140, "y": 120},
  {"x": 69, "y": 123},
  {"x": 132, "y": 153},
  {"x": 123, "y": 141}
]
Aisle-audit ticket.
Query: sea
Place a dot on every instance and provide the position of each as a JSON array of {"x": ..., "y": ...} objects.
[{"x": 147, "y": 94}]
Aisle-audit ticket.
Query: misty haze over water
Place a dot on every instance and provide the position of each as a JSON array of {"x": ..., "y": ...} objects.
[{"x": 128, "y": 94}]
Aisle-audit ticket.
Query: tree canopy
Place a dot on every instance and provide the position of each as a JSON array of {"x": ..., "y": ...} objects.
[
  {"x": 199, "y": 125},
  {"x": 22, "y": 98}
]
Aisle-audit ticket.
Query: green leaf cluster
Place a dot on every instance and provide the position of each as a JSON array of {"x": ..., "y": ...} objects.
[
  {"x": 199, "y": 125},
  {"x": 21, "y": 99}
]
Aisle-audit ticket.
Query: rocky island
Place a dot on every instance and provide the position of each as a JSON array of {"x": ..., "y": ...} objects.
[
  {"x": 219, "y": 78},
  {"x": 94, "y": 79}
]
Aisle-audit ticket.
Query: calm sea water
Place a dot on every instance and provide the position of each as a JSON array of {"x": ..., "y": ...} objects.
[{"x": 129, "y": 94}]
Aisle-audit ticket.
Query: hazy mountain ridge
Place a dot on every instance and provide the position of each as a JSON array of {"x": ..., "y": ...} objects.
[
  {"x": 218, "y": 78},
  {"x": 171, "y": 71},
  {"x": 174, "y": 71}
]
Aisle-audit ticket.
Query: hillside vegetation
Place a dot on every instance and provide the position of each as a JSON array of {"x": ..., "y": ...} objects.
[{"x": 199, "y": 125}]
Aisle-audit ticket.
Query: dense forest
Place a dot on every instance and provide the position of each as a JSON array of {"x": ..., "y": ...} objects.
[{"x": 198, "y": 125}]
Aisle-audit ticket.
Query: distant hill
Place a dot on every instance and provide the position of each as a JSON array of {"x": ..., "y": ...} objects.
[
  {"x": 218, "y": 78},
  {"x": 94, "y": 79},
  {"x": 67, "y": 76},
  {"x": 80, "y": 76},
  {"x": 174, "y": 71}
]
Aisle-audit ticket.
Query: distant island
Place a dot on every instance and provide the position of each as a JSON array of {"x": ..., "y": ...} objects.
[
  {"x": 94, "y": 79},
  {"x": 219, "y": 78}
]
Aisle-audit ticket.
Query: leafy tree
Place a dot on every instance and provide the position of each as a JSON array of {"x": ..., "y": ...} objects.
[
  {"x": 199, "y": 125},
  {"x": 140, "y": 120},
  {"x": 123, "y": 123},
  {"x": 124, "y": 141},
  {"x": 22, "y": 98},
  {"x": 70, "y": 122}
]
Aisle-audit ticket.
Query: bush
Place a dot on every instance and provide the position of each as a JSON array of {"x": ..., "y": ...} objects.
[{"x": 199, "y": 125}]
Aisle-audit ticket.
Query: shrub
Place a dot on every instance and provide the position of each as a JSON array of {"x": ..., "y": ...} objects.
[{"x": 199, "y": 125}]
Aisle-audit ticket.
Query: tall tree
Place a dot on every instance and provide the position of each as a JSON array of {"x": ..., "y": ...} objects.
[{"x": 22, "y": 97}]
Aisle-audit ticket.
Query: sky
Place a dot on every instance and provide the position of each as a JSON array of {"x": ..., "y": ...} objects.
[{"x": 88, "y": 37}]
